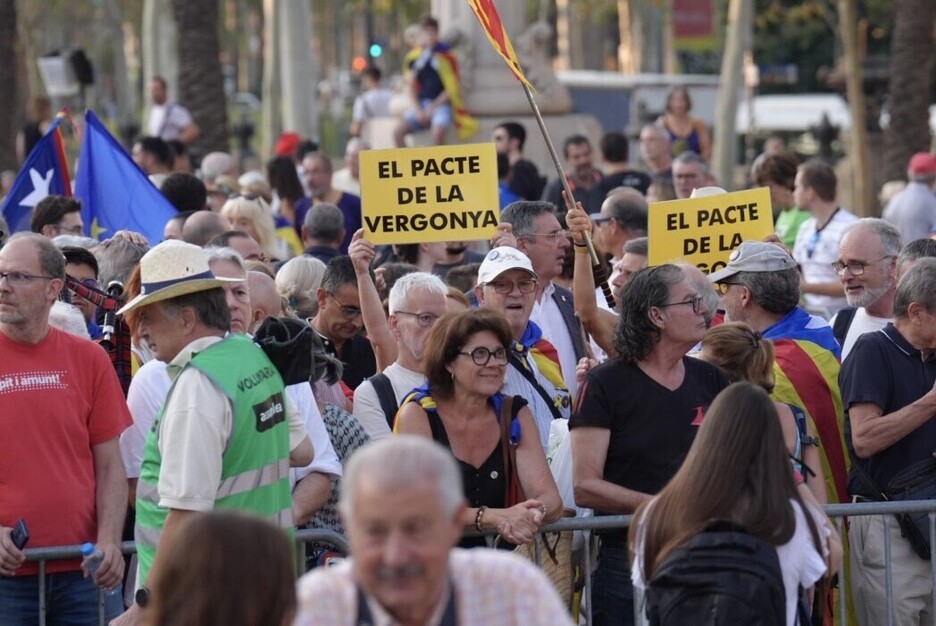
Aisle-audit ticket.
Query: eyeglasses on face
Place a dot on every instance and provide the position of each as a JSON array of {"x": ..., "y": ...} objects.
[
  {"x": 552, "y": 236},
  {"x": 722, "y": 287},
  {"x": 506, "y": 286},
  {"x": 77, "y": 229},
  {"x": 695, "y": 301},
  {"x": 857, "y": 268},
  {"x": 89, "y": 282},
  {"x": 482, "y": 356},
  {"x": 17, "y": 279},
  {"x": 423, "y": 320},
  {"x": 348, "y": 312}
]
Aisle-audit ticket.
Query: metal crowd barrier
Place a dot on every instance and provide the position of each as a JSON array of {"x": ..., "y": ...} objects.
[
  {"x": 838, "y": 512},
  {"x": 52, "y": 553}
]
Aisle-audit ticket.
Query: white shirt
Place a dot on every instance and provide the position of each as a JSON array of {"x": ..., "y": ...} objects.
[
  {"x": 548, "y": 317},
  {"x": 343, "y": 181},
  {"x": 912, "y": 211},
  {"x": 817, "y": 267},
  {"x": 367, "y": 408},
  {"x": 372, "y": 103},
  {"x": 862, "y": 323},
  {"x": 167, "y": 129}
]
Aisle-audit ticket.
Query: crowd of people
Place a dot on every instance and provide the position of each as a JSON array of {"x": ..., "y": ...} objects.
[{"x": 267, "y": 368}]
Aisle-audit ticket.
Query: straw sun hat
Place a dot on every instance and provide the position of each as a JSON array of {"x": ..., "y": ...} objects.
[{"x": 172, "y": 269}]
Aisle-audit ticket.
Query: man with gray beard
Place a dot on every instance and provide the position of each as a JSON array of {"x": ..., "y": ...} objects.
[{"x": 867, "y": 268}]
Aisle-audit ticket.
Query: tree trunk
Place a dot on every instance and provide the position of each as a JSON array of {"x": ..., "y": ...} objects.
[
  {"x": 201, "y": 85},
  {"x": 725, "y": 145},
  {"x": 910, "y": 85},
  {"x": 8, "y": 64},
  {"x": 862, "y": 195}
]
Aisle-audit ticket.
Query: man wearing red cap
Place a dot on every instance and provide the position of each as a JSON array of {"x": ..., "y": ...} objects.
[
  {"x": 287, "y": 145},
  {"x": 913, "y": 210}
]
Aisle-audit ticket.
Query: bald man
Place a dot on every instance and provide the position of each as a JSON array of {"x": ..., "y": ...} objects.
[
  {"x": 265, "y": 300},
  {"x": 203, "y": 226}
]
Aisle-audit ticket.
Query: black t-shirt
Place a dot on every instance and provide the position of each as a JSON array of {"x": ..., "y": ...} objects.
[
  {"x": 628, "y": 178},
  {"x": 885, "y": 369},
  {"x": 652, "y": 428},
  {"x": 357, "y": 354},
  {"x": 525, "y": 180},
  {"x": 590, "y": 198}
]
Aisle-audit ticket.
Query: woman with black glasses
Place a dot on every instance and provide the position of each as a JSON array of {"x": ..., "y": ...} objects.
[
  {"x": 637, "y": 415},
  {"x": 461, "y": 407}
]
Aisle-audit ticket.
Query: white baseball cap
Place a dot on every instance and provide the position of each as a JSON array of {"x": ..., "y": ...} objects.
[{"x": 501, "y": 259}]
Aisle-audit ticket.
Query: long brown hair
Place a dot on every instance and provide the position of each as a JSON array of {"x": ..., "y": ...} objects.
[
  {"x": 737, "y": 471},
  {"x": 743, "y": 353},
  {"x": 225, "y": 567}
]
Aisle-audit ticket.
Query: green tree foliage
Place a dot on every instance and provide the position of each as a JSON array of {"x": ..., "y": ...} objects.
[{"x": 803, "y": 33}]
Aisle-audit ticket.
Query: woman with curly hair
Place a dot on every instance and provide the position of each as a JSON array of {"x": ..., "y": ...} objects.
[{"x": 637, "y": 416}]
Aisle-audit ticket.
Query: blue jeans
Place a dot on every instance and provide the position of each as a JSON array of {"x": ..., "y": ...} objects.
[
  {"x": 71, "y": 600},
  {"x": 612, "y": 591},
  {"x": 442, "y": 116}
]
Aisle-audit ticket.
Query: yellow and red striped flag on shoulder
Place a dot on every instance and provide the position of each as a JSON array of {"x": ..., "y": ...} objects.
[{"x": 486, "y": 13}]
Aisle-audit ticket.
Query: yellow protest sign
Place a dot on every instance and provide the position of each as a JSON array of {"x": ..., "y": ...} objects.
[
  {"x": 704, "y": 231},
  {"x": 418, "y": 195}
]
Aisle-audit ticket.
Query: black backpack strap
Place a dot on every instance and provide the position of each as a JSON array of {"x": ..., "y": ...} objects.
[
  {"x": 531, "y": 377},
  {"x": 386, "y": 396},
  {"x": 842, "y": 323}
]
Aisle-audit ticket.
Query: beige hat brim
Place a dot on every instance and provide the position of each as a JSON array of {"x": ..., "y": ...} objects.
[{"x": 181, "y": 288}]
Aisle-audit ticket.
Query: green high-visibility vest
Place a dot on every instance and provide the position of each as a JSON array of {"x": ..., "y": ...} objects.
[{"x": 255, "y": 464}]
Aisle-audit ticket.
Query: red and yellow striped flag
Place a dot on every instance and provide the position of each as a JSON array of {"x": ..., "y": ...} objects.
[{"x": 486, "y": 13}]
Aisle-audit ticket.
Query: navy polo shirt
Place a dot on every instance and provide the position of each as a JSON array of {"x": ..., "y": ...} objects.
[{"x": 883, "y": 368}]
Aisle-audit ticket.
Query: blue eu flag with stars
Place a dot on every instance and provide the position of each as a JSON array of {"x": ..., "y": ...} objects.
[{"x": 115, "y": 193}]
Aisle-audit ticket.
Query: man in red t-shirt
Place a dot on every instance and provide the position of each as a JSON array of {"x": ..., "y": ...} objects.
[{"x": 60, "y": 471}]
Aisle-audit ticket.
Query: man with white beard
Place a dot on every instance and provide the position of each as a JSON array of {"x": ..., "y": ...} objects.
[{"x": 867, "y": 267}]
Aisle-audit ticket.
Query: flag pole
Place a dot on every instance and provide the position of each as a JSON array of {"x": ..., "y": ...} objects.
[
  {"x": 600, "y": 275},
  {"x": 490, "y": 21}
]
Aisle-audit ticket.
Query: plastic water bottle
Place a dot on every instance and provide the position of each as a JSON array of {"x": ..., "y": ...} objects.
[{"x": 92, "y": 560}]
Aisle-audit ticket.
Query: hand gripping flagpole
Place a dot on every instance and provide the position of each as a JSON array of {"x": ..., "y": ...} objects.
[{"x": 490, "y": 21}]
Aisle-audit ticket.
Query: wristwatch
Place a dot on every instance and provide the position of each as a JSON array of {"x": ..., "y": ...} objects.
[{"x": 142, "y": 597}]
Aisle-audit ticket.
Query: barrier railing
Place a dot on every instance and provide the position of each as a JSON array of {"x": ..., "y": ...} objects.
[{"x": 588, "y": 525}]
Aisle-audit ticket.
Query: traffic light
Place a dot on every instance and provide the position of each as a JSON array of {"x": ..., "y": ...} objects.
[
  {"x": 375, "y": 50},
  {"x": 359, "y": 64}
]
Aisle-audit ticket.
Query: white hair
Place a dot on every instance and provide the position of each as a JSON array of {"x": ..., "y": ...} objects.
[
  {"x": 69, "y": 319},
  {"x": 298, "y": 280},
  {"x": 215, "y": 164},
  {"x": 400, "y": 462},
  {"x": 227, "y": 254},
  {"x": 414, "y": 280}
]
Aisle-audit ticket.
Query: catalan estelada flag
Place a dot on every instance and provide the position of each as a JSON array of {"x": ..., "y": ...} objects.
[
  {"x": 486, "y": 13},
  {"x": 806, "y": 370},
  {"x": 45, "y": 173},
  {"x": 444, "y": 62}
]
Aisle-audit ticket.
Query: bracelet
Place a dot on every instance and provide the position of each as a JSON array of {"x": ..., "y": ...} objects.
[
  {"x": 579, "y": 245},
  {"x": 478, "y": 516},
  {"x": 581, "y": 249}
]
